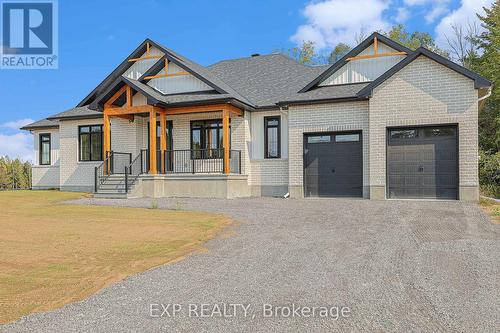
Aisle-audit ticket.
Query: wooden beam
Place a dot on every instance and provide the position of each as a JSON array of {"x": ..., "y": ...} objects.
[
  {"x": 152, "y": 142},
  {"x": 106, "y": 140},
  {"x": 147, "y": 48},
  {"x": 204, "y": 108},
  {"x": 165, "y": 75},
  {"x": 163, "y": 139},
  {"x": 234, "y": 109},
  {"x": 129, "y": 117},
  {"x": 115, "y": 96},
  {"x": 130, "y": 110},
  {"x": 375, "y": 45},
  {"x": 143, "y": 58},
  {"x": 129, "y": 96},
  {"x": 376, "y": 56},
  {"x": 225, "y": 140}
]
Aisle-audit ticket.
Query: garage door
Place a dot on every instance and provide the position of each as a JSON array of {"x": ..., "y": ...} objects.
[
  {"x": 333, "y": 165},
  {"x": 422, "y": 162}
]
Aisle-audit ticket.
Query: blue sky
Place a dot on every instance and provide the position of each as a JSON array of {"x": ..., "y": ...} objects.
[{"x": 95, "y": 36}]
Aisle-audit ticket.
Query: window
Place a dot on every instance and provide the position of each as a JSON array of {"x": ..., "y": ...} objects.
[
  {"x": 206, "y": 138},
  {"x": 91, "y": 143},
  {"x": 318, "y": 139},
  {"x": 44, "y": 149},
  {"x": 439, "y": 131},
  {"x": 403, "y": 134},
  {"x": 272, "y": 137},
  {"x": 347, "y": 138}
]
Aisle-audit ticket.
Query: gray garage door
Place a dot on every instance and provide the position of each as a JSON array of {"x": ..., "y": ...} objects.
[
  {"x": 422, "y": 162},
  {"x": 333, "y": 165}
]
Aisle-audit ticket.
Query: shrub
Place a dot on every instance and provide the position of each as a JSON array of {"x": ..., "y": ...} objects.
[{"x": 489, "y": 174}]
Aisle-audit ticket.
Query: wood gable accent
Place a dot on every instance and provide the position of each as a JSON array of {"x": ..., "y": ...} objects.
[
  {"x": 375, "y": 53},
  {"x": 146, "y": 55}
]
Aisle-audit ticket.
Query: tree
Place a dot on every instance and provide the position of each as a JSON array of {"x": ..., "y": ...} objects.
[
  {"x": 14, "y": 174},
  {"x": 489, "y": 66},
  {"x": 464, "y": 44},
  {"x": 4, "y": 176},
  {"x": 414, "y": 40},
  {"x": 338, "y": 52},
  {"x": 305, "y": 54}
]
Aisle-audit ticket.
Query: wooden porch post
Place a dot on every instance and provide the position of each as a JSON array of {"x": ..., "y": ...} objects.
[
  {"x": 225, "y": 139},
  {"x": 152, "y": 141},
  {"x": 163, "y": 139},
  {"x": 106, "y": 139}
]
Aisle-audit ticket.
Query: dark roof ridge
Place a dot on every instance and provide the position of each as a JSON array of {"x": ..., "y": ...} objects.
[{"x": 479, "y": 81}]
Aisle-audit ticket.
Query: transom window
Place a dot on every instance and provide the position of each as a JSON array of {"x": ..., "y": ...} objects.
[
  {"x": 44, "y": 149},
  {"x": 91, "y": 143},
  {"x": 272, "y": 137},
  {"x": 206, "y": 138}
]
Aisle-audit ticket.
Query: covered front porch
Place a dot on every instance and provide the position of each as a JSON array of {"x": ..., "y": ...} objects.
[{"x": 161, "y": 151}]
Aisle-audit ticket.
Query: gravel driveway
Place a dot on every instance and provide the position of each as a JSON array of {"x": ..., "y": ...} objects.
[{"x": 400, "y": 266}]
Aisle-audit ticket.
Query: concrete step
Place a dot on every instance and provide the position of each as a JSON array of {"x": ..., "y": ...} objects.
[
  {"x": 111, "y": 190},
  {"x": 110, "y": 195},
  {"x": 122, "y": 183}
]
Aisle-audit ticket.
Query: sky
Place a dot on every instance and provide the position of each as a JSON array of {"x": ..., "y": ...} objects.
[{"x": 95, "y": 36}]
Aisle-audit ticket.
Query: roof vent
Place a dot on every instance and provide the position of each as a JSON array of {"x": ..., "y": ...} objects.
[{"x": 255, "y": 55}]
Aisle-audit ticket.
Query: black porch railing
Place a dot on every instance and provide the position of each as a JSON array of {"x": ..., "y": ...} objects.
[
  {"x": 114, "y": 163},
  {"x": 194, "y": 161},
  {"x": 119, "y": 161}
]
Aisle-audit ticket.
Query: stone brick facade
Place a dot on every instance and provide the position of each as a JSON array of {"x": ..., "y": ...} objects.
[
  {"x": 45, "y": 176},
  {"x": 333, "y": 117},
  {"x": 425, "y": 93},
  {"x": 75, "y": 175}
]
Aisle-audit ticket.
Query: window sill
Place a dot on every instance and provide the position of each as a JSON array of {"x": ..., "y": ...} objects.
[
  {"x": 268, "y": 159},
  {"x": 89, "y": 162},
  {"x": 45, "y": 166}
]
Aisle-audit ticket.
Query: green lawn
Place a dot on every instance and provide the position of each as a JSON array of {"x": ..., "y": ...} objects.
[{"x": 53, "y": 253}]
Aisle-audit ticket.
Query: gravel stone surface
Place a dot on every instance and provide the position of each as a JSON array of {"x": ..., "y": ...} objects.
[{"x": 399, "y": 266}]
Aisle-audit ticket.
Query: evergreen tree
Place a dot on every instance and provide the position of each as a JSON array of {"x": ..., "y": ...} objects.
[{"x": 489, "y": 67}]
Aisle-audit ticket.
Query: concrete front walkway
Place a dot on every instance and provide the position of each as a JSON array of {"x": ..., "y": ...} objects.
[{"x": 398, "y": 265}]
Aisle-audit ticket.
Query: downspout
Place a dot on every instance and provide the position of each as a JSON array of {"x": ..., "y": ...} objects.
[
  {"x": 481, "y": 99},
  {"x": 284, "y": 111}
]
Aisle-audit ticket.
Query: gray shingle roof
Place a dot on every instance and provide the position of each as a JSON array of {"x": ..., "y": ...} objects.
[
  {"x": 205, "y": 73},
  {"x": 82, "y": 112},
  {"x": 326, "y": 93},
  {"x": 44, "y": 123},
  {"x": 179, "y": 98},
  {"x": 265, "y": 80},
  {"x": 258, "y": 82}
]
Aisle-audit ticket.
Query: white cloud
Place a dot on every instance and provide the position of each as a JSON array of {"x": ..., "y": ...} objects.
[
  {"x": 332, "y": 21},
  {"x": 402, "y": 15},
  {"x": 437, "y": 11},
  {"x": 417, "y": 2},
  {"x": 13, "y": 142},
  {"x": 465, "y": 14},
  {"x": 435, "y": 8},
  {"x": 18, "y": 145},
  {"x": 17, "y": 124}
]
